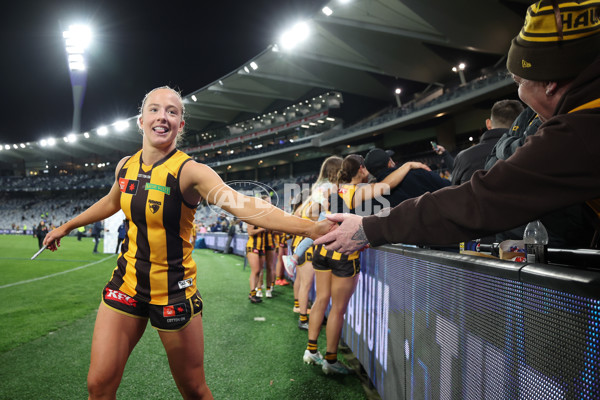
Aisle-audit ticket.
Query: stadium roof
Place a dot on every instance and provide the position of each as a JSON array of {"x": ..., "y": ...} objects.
[{"x": 365, "y": 48}]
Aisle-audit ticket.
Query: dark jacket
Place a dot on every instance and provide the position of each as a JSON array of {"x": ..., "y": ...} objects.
[
  {"x": 122, "y": 232},
  {"x": 470, "y": 160},
  {"x": 41, "y": 231},
  {"x": 416, "y": 183},
  {"x": 526, "y": 124},
  {"x": 555, "y": 168},
  {"x": 567, "y": 227},
  {"x": 96, "y": 229}
]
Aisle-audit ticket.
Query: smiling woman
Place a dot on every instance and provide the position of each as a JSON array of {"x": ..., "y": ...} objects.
[{"x": 158, "y": 189}]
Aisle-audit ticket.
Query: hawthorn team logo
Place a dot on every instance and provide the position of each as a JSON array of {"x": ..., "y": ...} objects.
[{"x": 154, "y": 205}]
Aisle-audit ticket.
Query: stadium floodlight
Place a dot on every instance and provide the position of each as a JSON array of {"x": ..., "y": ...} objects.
[
  {"x": 86, "y": 135},
  {"x": 296, "y": 35},
  {"x": 22, "y": 145},
  {"x": 72, "y": 138},
  {"x": 7, "y": 147},
  {"x": 51, "y": 142},
  {"x": 121, "y": 125},
  {"x": 327, "y": 11},
  {"x": 254, "y": 65},
  {"x": 77, "y": 40},
  {"x": 460, "y": 70},
  {"x": 102, "y": 131},
  {"x": 397, "y": 95},
  {"x": 194, "y": 97}
]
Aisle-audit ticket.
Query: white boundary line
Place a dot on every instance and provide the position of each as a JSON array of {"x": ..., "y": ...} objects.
[{"x": 56, "y": 274}]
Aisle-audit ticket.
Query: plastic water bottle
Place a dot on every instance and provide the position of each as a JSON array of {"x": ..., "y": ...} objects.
[{"x": 535, "y": 238}]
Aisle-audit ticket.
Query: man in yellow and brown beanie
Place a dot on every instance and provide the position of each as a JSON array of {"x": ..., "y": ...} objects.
[{"x": 555, "y": 62}]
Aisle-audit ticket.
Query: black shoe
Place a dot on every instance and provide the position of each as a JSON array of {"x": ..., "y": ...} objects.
[{"x": 254, "y": 299}]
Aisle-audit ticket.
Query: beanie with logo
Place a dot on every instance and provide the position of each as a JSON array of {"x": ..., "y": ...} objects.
[{"x": 559, "y": 39}]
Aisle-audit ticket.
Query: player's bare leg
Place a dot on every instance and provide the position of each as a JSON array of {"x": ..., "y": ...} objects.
[{"x": 115, "y": 336}]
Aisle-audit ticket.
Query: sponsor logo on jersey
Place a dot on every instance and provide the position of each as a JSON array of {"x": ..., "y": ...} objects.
[
  {"x": 120, "y": 297},
  {"x": 153, "y": 186},
  {"x": 185, "y": 283},
  {"x": 144, "y": 176},
  {"x": 128, "y": 186},
  {"x": 174, "y": 310},
  {"x": 154, "y": 205}
]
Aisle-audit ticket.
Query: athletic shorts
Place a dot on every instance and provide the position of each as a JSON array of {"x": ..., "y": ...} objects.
[
  {"x": 170, "y": 317},
  {"x": 307, "y": 256},
  {"x": 339, "y": 268},
  {"x": 254, "y": 250}
]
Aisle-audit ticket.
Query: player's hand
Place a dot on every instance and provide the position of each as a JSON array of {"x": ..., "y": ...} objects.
[
  {"x": 52, "y": 239},
  {"x": 348, "y": 237},
  {"x": 321, "y": 228}
]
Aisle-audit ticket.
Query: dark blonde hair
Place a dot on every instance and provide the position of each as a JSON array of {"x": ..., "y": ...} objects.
[
  {"x": 350, "y": 167},
  {"x": 329, "y": 169},
  {"x": 178, "y": 93}
]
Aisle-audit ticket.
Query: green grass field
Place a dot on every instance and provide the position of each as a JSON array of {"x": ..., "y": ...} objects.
[{"x": 48, "y": 308}]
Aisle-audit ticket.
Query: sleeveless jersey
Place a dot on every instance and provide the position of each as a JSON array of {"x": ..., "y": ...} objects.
[
  {"x": 340, "y": 202},
  {"x": 262, "y": 241},
  {"x": 156, "y": 265},
  {"x": 297, "y": 239}
]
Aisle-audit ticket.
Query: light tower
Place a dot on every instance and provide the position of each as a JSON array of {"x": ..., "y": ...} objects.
[
  {"x": 397, "y": 95},
  {"x": 460, "y": 70},
  {"x": 77, "y": 39}
]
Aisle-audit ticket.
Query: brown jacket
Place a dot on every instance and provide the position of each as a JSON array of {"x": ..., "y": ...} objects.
[{"x": 557, "y": 167}]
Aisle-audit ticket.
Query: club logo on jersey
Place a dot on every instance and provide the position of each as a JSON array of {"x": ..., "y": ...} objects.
[
  {"x": 185, "y": 283},
  {"x": 128, "y": 186},
  {"x": 174, "y": 310},
  {"x": 120, "y": 297},
  {"x": 153, "y": 186},
  {"x": 154, "y": 205}
]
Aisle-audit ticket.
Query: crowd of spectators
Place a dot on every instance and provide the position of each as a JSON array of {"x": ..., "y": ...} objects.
[
  {"x": 42, "y": 183},
  {"x": 19, "y": 211}
]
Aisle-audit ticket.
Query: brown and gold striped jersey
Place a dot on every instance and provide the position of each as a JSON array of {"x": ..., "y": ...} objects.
[
  {"x": 156, "y": 265},
  {"x": 263, "y": 241},
  {"x": 340, "y": 201}
]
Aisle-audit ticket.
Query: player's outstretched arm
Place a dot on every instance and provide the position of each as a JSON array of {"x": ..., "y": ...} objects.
[
  {"x": 102, "y": 209},
  {"x": 252, "y": 210}
]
